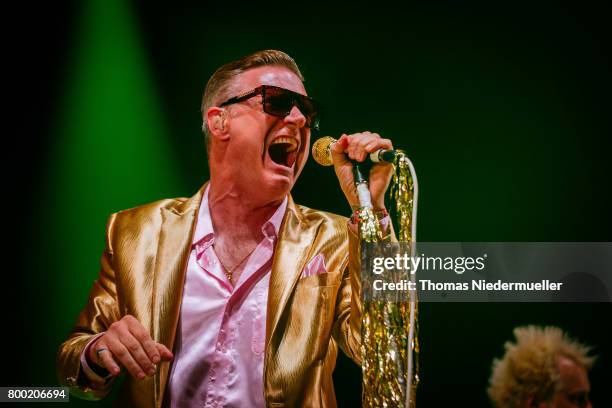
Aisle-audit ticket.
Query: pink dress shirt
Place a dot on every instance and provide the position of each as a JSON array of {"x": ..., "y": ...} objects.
[{"x": 220, "y": 342}]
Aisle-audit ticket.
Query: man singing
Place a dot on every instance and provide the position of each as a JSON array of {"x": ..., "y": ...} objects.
[{"x": 251, "y": 292}]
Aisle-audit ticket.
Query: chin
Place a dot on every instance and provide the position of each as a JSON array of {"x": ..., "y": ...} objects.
[{"x": 278, "y": 187}]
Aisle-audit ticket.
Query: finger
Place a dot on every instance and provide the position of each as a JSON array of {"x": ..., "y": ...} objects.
[
  {"x": 106, "y": 360},
  {"x": 366, "y": 139},
  {"x": 377, "y": 144},
  {"x": 363, "y": 147},
  {"x": 166, "y": 354},
  {"x": 359, "y": 141},
  {"x": 96, "y": 345},
  {"x": 371, "y": 143},
  {"x": 339, "y": 146},
  {"x": 353, "y": 150},
  {"x": 125, "y": 358},
  {"x": 338, "y": 151},
  {"x": 138, "y": 353},
  {"x": 143, "y": 337},
  {"x": 362, "y": 154}
]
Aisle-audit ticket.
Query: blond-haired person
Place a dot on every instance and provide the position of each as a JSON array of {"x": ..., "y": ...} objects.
[{"x": 544, "y": 368}]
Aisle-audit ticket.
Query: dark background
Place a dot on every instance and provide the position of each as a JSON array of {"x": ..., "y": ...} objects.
[{"x": 504, "y": 110}]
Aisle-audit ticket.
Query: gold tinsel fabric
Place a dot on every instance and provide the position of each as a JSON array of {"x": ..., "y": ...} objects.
[{"x": 385, "y": 324}]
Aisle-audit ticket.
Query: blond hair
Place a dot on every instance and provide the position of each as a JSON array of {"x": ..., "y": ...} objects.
[
  {"x": 219, "y": 86},
  {"x": 529, "y": 366}
]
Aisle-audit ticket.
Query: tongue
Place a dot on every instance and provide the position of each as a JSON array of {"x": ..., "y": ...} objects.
[{"x": 291, "y": 157}]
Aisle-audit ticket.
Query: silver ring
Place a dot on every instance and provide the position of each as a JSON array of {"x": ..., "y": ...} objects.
[{"x": 98, "y": 351}]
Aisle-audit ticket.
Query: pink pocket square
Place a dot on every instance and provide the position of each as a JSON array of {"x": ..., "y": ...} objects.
[{"x": 316, "y": 266}]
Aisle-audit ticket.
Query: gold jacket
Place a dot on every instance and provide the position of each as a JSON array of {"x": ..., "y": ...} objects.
[{"x": 143, "y": 271}]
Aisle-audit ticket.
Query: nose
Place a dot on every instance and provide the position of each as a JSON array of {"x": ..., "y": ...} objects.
[{"x": 296, "y": 117}]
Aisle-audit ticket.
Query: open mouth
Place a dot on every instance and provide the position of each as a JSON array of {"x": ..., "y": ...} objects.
[{"x": 283, "y": 151}]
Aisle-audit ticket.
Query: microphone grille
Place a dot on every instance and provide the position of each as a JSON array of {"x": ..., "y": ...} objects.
[{"x": 321, "y": 150}]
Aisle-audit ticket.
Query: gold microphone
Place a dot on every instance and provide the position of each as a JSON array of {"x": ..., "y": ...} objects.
[{"x": 321, "y": 150}]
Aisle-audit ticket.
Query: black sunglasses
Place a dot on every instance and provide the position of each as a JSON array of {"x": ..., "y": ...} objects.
[{"x": 279, "y": 102}]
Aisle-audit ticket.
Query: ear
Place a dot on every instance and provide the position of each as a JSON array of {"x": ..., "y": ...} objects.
[{"x": 216, "y": 119}]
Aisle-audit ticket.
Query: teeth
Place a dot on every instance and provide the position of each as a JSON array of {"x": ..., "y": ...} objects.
[{"x": 286, "y": 140}]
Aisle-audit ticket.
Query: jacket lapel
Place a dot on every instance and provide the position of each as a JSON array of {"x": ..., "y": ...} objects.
[
  {"x": 176, "y": 235},
  {"x": 296, "y": 237}
]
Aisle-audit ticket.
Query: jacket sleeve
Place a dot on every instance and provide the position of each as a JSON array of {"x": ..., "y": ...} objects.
[
  {"x": 347, "y": 323},
  {"x": 99, "y": 313}
]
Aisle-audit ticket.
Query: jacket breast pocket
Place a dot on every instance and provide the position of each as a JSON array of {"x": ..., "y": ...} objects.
[
  {"x": 323, "y": 279},
  {"x": 314, "y": 305}
]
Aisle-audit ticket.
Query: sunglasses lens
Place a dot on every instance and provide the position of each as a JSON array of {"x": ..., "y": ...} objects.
[
  {"x": 308, "y": 109},
  {"x": 279, "y": 102}
]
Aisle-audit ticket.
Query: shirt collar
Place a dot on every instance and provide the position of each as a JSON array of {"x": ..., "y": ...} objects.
[{"x": 204, "y": 228}]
